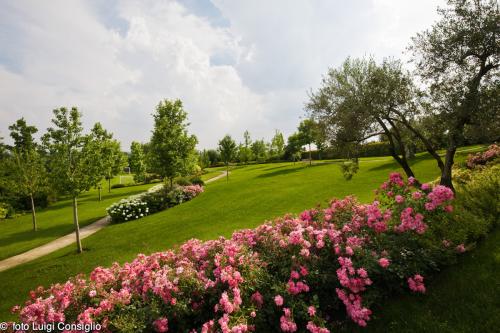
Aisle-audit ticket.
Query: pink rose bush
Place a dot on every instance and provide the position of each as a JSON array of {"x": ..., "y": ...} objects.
[
  {"x": 154, "y": 200},
  {"x": 295, "y": 274},
  {"x": 482, "y": 158}
]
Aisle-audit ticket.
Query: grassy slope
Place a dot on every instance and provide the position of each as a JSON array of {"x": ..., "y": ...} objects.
[
  {"x": 462, "y": 298},
  {"x": 17, "y": 236},
  {"x": 253, "y": 194}
]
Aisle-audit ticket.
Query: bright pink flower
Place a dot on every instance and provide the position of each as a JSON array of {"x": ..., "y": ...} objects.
[
  {"x": 257, "y": 299},
  {"x": 384, "y": 262},
  {"x": 161, "y": 324},
  {"x": 399, "y": 199},
  {"x": 416, "y": 195},
  {"x": 311, "y": 310},
  {"x": 416, "y": 283},
  {"x": 278, "y": 299}
]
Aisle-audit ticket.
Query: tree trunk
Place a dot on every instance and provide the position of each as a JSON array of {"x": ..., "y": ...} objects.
[
  {"x": 227, "y": 172},
  {"x": 77, "y": 226},
  {"x": 400, "y": 160},
  {"x": 33, "y": 214},
  {"x": 310, "y": 158},
  {"x": 428, "y": 145},
  {"x": 109, "y": 185},
  {"x": 446, "y": 174},
  {"x": 100, "y": 196}
]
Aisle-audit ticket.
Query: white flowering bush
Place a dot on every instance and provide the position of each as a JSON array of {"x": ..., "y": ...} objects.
[
  {"x": 128, "y": 209},
  {"x": 156, "y": 199}
]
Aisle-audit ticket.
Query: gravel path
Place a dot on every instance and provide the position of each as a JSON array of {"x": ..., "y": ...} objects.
[{"x": 61, "y": 242}]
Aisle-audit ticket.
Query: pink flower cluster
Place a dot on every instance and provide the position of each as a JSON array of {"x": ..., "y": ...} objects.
[
  {"x": 268, "y": 274},
  {"x": 416, "y": 283},
  {"x": 411, "y": 221},
  {"x": 493, "y": 152},
  {"x": 438, "y": 196},
  {"x": 192, "y": 190}
]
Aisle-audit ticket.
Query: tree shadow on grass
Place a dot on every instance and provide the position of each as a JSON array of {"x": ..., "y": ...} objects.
[
  {"x": 28, "y": 235},
  {"x": 278, "y": 173}
]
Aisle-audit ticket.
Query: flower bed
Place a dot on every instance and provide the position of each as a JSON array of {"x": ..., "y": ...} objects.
[
  {"x": 157, "y": 198},
  {"x": 307, "y": 273},
  {"x": 479, "y": 159}
]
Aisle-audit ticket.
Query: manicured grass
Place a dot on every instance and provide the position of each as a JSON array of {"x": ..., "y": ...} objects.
[
  {"x": 253, "y": 194},
  {"x": 211, "y": 173},
  {"x": 17, "y": 235},
  {"x": 463, "y": 298}
]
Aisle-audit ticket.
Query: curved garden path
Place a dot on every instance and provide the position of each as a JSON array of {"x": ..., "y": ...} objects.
[{"x": 61, "y": 242}]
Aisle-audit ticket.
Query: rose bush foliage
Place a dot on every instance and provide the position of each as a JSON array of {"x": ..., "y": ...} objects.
[{"x": 306, "y": 273}]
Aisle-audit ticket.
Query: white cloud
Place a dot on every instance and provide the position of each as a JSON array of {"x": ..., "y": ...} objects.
[{"x": 251, "y": 73}]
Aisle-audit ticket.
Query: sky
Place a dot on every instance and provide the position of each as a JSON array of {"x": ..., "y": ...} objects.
[{"x": 236, "y": 65}]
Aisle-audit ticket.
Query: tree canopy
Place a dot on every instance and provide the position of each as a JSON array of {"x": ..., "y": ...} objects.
[{"x": 171, "y": 147}]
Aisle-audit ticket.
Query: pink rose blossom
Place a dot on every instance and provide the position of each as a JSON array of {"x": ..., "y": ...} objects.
[
  {"x": 161, "y": 324},
  {"x": 384, "y": 262}
]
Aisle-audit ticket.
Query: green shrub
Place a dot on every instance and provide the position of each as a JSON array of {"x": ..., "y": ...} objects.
[
  {"x": 349, "y": 169},
  {"x": 196, "y": 180},
  {"x": 3, "y": 212},
  {"x": 183, "y": 181},
  {"x": 478, "y": 204},
  {"x": 118, "y": 185}
]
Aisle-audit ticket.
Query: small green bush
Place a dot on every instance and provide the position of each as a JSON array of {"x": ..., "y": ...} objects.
[
  {"x": 183, "y": 181},
  {"x": 349, "y": 169},
  {"x": 478, "y": 204},
  {"x": 196, "y": 180},
  {"x": 3, "y": 212},
  {"x": 118, "y": 185}
]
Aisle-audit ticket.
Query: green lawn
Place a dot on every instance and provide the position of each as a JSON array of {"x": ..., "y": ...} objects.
[
  {"x": 253, "y": 194},
  {"x": 17, "y": 235},
  {"x": 462, "y": 298},
  {"x": 211, "y": 173}
]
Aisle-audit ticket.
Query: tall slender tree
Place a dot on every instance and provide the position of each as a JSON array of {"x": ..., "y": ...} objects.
[
  {"x": 74, "y": 165},
  {"x": 137, "y": 162},
  {"x": 245, "y": 151},
  {"x": 112, "y": 158},
  {"x": 227, "y": 149},
  {"x": 306, "y": 134},
  {"x": 278, "y": 145},
  {"x": 28, "y": 174}
]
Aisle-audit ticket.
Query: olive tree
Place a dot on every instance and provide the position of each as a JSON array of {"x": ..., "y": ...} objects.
[
  {"x": 361, "y": 100},
  {"x": 459, "y": 58}
]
